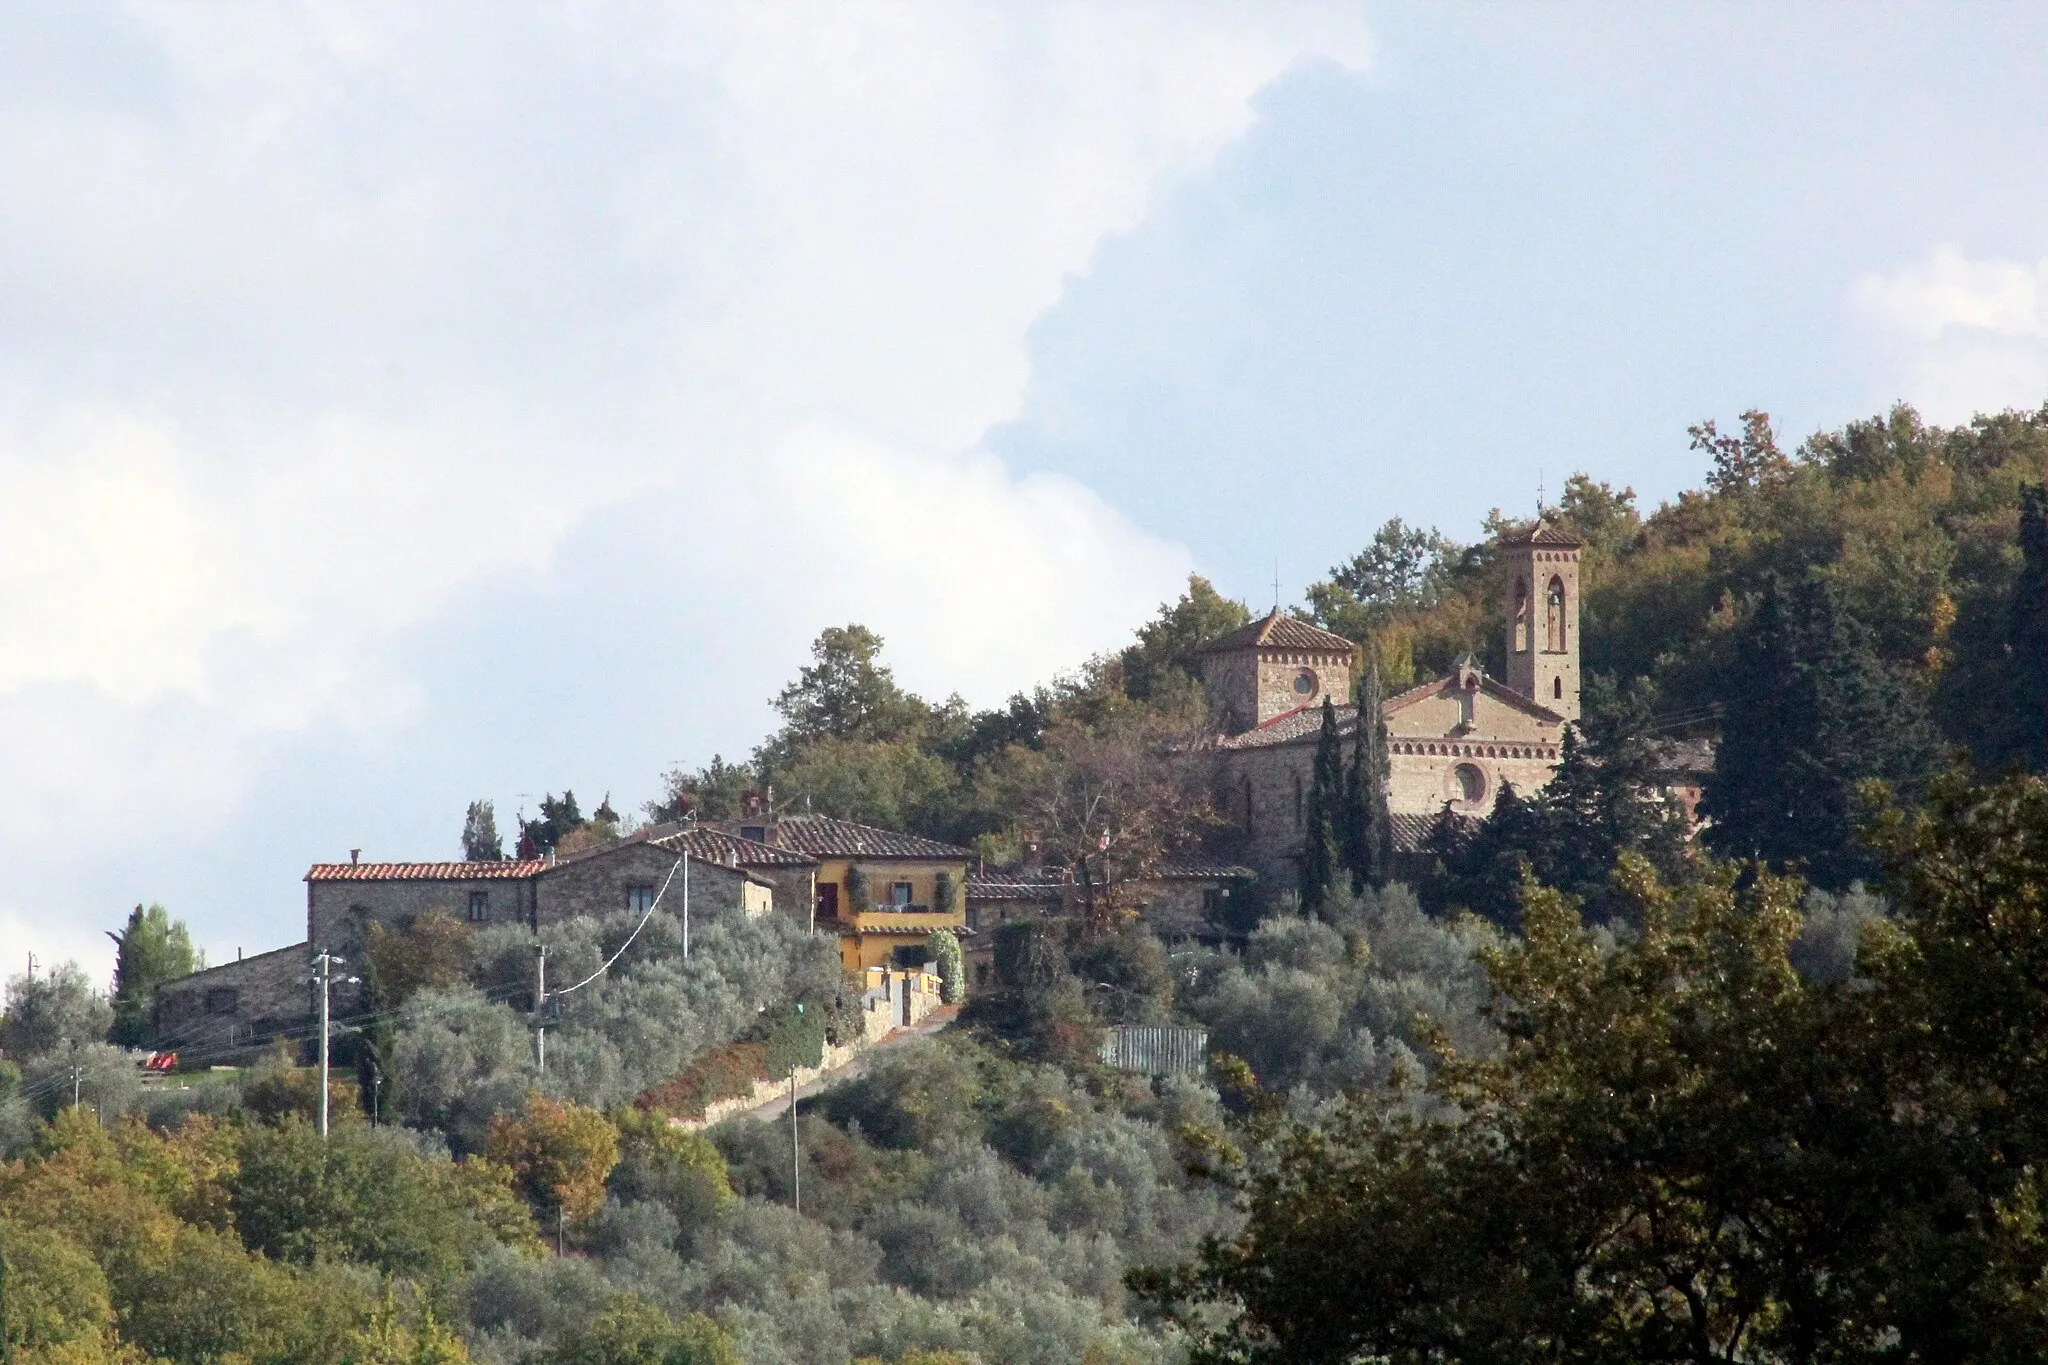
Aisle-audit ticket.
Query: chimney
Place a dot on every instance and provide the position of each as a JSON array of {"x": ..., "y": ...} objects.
[
  {"x": 238, "y": 954},
  {"x": 355, "y": 855}
]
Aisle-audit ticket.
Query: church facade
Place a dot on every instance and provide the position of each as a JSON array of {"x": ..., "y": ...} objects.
[{"x": 1454, "y": 739}]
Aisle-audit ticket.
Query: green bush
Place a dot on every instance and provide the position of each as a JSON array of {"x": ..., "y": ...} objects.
[{"x": 952, "y": 969}]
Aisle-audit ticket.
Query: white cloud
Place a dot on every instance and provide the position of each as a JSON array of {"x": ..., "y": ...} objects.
[
  {"x": 1973, "y": 333},
  {"x": 314, "y": 320}
]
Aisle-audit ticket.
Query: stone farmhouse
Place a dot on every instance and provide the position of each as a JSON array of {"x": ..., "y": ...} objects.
[
  {"x": 1451, "y": 741},
  {"x": 879, "y": 892}
]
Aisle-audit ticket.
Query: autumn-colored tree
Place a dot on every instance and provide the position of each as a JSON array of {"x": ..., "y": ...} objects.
[
  {"x": 434, "y": 952},
  {"x": 560, "y": 1153},
  {"x": 1112, "y": 801}
]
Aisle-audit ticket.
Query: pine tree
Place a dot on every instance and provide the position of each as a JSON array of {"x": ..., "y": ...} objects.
[
  {"x": 1368, "y": 823},
  {"x": 1322, "y": 851},
  {"x": 1810, "y": 714},
  {"x": 153, "y": 948}
]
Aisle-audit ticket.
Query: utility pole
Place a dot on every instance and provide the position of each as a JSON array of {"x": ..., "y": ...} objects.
[
  {"x": 325, "y": 962},
  {"x": 540, "y": 994},
  {"x": 686, "y": 903},
  {"x": 796, "y": 1149}
]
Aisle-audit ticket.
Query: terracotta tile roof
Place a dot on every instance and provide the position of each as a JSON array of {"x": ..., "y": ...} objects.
[
  {"x": 823, "y": 836},
  {"x": 1410, "y": 831},
  {"x": 1200, "y": 867},
  {"x": 1276, "y": 631},
  {"x": 1014, "y": 886},
  {"x": 1546, "y": 532},
  {"x": 1289, "y": 727},
  {"x": 1685, "y": 757},
  {"x": 716, "y": 846},
  {"x": 508, "y": 870}
]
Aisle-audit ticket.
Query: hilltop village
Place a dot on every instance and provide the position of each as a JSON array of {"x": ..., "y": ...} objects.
[
  {"x": 1479, "y": 912},
  {"x": 1451, "y": 744}
]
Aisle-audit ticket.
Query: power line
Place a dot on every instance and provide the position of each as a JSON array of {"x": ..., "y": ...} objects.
[{"x": 651, "y": 906}]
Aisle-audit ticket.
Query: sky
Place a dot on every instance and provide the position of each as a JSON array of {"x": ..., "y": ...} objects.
[{"x": 402, "y": 405}]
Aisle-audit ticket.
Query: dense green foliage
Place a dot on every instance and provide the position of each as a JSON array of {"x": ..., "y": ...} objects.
[
  {"x": 480, "y": 841},
  {"x": 1603, "y": 803},
  {"x": 1689, "y": 1150},
  {"x": 150, "y": 949}
]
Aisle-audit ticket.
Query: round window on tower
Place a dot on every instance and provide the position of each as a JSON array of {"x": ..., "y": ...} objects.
[{"x": 1306, "y": 684}]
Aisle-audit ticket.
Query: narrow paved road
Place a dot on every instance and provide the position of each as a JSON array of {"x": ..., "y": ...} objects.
[{"x": 923, "y": 1028}]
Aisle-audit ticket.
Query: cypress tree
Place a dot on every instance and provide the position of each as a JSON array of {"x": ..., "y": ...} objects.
[
  {"x": 2027, "y": 633},
  {"x": 1322, "y": 851},
  {"x": 151, "y": 949},
  {"x": 1368, "y": 823},
  {"x": 1810, "y": 714}
]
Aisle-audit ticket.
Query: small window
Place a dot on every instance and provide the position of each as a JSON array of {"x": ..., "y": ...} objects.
[
  {"x": 639, "y": 899},
  {"x": 1306, "y": 683},
  {"x": 828, "y": 900},
  {"x": 479, "y": 906},
  {"x": 223, "y": 1000},
  {"x": 974, "y": 917},
  {"x": 899, "y": 893},
  {"x": 1557, "y": 688},
  {"x": 1470, "y": 781},
  {"x": 758, "y": 833}
]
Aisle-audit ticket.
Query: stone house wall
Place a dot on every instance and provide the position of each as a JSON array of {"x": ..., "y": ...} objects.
[
  {"x": 219, "y": 1014},
  {"x": 600, "y": 883},
  {"x": 338, "y": 911}
]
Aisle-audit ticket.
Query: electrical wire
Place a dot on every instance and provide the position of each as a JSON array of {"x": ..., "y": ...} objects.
[
  {"x": 652, "y": 905},
  {"x": 305, "y": 1032}
]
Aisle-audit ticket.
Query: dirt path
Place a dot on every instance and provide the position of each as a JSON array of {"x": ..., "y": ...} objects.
[{"x": 924, "y": 1028}]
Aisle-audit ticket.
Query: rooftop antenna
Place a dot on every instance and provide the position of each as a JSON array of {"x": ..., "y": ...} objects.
[
  {"x": 1276, "y": 586},
  {"x": 1539, "y": 492}
]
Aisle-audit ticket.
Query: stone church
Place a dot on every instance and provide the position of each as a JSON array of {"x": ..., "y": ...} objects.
[{"x": 1453, "y": 739}]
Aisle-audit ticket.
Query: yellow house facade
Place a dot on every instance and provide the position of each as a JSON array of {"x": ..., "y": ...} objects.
[{"x": 881, "y": 891}]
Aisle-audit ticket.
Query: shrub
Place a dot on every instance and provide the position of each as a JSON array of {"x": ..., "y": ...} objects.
[
  {"x": 719, "y": 1073},
  {"x": 945, "y": 954}
]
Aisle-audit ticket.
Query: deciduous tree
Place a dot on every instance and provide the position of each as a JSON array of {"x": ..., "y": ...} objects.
[{"x": 561, "y": 1154}]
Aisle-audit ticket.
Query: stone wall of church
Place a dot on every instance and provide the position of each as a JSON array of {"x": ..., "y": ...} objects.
[
  {"x": 1422, "y": 775},
  {"x": 1247, "y": 688},
  {"x": 1264, "y": 797},
  {"x": 1231, "y": 682},
  {"x": 1264, "y": 791}
]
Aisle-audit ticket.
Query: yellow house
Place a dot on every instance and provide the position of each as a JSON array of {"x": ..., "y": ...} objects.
[{"x": 881, "y": 891}]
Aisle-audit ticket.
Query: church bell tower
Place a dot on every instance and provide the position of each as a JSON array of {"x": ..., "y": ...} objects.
[{"x": 1543, "y": 617}]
